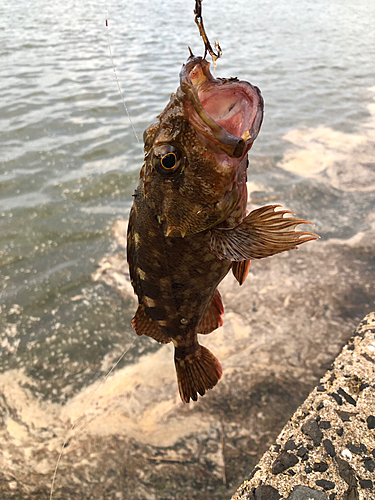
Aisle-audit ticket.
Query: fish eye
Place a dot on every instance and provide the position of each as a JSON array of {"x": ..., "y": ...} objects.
[{"x": 166, "y": 159}]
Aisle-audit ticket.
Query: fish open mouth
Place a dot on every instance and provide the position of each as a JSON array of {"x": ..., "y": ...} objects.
[{"x": 231, "y": 109}]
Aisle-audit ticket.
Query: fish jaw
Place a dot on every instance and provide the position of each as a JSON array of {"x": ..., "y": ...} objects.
[{"x": 232, "y": 109}]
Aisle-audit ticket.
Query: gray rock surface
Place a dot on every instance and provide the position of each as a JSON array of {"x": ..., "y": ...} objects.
[{"x": 327, "y": 449}]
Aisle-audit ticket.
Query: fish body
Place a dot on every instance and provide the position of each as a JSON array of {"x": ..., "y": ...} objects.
[
  {"x": 188, "y": 226},
  {"x": 175, "y": 279}
]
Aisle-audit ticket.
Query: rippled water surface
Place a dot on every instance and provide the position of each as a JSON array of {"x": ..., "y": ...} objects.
[{"x": 69, "y": 160}]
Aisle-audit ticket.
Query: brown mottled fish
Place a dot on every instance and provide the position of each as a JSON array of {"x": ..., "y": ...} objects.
[{"x": 188, "y": 225}]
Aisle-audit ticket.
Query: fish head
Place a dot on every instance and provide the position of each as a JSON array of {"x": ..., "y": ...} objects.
[{"x": 194, "y": 176}]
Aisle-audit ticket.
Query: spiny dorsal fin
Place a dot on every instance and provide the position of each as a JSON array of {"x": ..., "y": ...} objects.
[
  {"x": 262, "y": 233},
  {"x": 143, "y": 325},
  {"x": 241, "y": 270},
  {"x": 212, "y": 316}
]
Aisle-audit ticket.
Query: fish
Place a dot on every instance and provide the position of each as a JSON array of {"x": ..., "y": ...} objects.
[{"x": 189, "y": 227}]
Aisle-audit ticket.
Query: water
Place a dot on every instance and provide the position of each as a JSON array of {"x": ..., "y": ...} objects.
[{"x": 69, "y": 160}]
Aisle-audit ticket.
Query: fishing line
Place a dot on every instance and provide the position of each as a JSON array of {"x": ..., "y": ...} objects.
[
  {"x": 117, "y": 80},
  {"x": 76, "y": 422}
]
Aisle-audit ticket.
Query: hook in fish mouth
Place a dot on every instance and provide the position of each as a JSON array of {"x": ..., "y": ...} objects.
[
  {"x": 232, "y": 109},
  {"x": 207, "y": 46}
]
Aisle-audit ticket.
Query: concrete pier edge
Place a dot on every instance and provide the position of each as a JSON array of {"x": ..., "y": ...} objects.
[{"x": 327, "y": 449}]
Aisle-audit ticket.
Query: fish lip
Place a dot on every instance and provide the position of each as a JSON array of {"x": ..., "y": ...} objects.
[
  {"x": 236, "y": 146},
  {"x": 193, "y": 61}
]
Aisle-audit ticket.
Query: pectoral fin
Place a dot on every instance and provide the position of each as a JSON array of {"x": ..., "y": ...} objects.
[
  {"x": 143, "y": 325},
  {"x": 262, "y": 233},
  {"x": 212, "y": 317}
]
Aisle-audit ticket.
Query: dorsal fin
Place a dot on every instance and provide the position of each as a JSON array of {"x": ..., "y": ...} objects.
[
  {"x": 241, "y": 270},
  {"x": 143, "y": 325},
  {"x": 212, "y": 316}
]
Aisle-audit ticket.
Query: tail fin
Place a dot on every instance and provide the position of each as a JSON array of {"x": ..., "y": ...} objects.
[{"x": 196, "y": 373}]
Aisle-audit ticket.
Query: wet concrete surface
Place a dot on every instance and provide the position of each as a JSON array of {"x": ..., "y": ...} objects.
[
  {"x": 133, "y": 438},
  {"x": 327, "y": 450}
]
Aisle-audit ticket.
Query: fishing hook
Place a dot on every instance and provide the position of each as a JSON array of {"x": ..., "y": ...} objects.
[{"x": 207, "y": 46}]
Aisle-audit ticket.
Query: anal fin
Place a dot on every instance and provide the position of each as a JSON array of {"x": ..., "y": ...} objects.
[
  {"x": 143, "y": 325},
  {"x": 241, "y": 270},
  {"x": 212, "y": 317}
]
